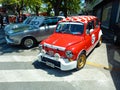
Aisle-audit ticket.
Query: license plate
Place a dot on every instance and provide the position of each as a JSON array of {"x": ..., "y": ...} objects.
[{"x": 50, "y": 64}]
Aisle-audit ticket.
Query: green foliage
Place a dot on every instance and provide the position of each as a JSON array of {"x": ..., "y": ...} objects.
[
  {"x": 67, "y": 6},
  {"x": 35, "y": 5}
]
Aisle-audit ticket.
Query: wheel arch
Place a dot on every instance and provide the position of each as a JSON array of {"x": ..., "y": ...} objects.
[
  {"x": 100, "y": 34},
  {"x": 28, "y": 37},
  {"x": 82, "y": 51}
]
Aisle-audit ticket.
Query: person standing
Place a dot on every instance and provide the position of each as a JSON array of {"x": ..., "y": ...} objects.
[
  {"x": 7, "y": 19},
  {"x": 1, "y": 20}
]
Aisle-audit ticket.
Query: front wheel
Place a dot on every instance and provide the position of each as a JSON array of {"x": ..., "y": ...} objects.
[
  {"x": 81, "y": 61},
  {"x": 28, "y": 42}
]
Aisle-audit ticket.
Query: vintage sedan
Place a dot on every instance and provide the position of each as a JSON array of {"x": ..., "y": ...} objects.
[
  {"x": 13, "y": 25},
  {"x": 28, "y": 35},
  {"x": 74, "y": 38}
]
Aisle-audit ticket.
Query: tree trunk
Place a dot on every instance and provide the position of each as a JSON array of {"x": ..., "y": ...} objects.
[
  {"x": 65, "y": 8},
  {"x": 37, "y": 10},
  {"x": 56, "y": 11},
  {"x": 56, "y": 6}
]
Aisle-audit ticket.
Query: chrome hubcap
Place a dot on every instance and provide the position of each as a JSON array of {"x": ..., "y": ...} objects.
[{"x": 28, "y": 43}]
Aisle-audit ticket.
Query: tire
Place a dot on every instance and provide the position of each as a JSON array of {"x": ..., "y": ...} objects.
[
  {"x": 99, "y": 42},
  {"x": 116, "y": 42},
  {"x": 81, "y": 61},
  {"x": 28, "y": 42}
]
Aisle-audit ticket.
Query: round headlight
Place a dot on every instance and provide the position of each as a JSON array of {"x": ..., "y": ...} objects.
[
  {"x": 43, "y": 51},
  {"x": 57, "y": 56},
  {"x": 69, "y": 54},
  {"x": 40, "y": 47},
  {"x": 10, "y": 31}
]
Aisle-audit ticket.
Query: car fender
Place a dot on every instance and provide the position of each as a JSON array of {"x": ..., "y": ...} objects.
[
  {"x": 82, "y": 51},
  {"x": 78, "y": 49},
  {"x": 28, "y": 36},
  {"x": 100, "y": 34}
]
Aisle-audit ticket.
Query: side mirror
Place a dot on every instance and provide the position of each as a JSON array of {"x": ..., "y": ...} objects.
[
  {"x": 91, "y": 30},
  {"x": 46, "y": 27}
]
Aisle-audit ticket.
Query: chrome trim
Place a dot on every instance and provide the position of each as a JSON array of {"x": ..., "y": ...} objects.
[{"x": 54, "y": 47}]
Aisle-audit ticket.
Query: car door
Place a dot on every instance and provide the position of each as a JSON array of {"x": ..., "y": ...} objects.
[
  {"x": 51, "y": 26},
  {"x": 96, "y": 30},
  {"x": 90, "y": 36}
]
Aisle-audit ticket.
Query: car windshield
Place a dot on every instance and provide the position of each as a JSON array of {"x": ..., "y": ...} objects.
[
  {"x": 37, "y": 21},
  {"x": 27, "y": 20},
  {"x": 70, "y": 28}
]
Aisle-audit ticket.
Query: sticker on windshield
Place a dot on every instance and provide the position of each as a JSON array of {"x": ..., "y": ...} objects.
[
  {"x": 37, "y": 21},
  {"x": 93, "y": 38}
]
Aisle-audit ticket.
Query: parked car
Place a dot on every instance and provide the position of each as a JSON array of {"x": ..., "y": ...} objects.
[
  {"x": 116, "y": 33},
  {"x": 28, "y": 35},
  {"x": 74, "y": 38},
  {"x": 14, "y": 25}
]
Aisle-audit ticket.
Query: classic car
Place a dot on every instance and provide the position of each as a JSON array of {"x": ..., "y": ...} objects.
[
  {"x": 28, "y": 35},
  {"x": 13, "y": 25},
  {"x": 74, "y": 38}
]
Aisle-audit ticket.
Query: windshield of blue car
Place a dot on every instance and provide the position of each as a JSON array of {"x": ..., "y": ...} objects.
[
  {"x": 37, "y": 21},
  {"x": 70, "y": 28},
  {"x": 27, "y": 20}
]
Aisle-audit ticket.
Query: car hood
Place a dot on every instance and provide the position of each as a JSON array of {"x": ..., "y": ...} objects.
[
  {"x": 63, "y": 40},
  {"x": 12, "y": 26},
  {"x": 21, "y": 28}
]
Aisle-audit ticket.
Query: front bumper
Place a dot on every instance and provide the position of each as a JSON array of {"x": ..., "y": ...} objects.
[
  {"x": 11, "y": 41},
  {"x": 61, "y": 63}
]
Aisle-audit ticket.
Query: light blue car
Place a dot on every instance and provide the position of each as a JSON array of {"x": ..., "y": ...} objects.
[{"x": 31, "y": 31}]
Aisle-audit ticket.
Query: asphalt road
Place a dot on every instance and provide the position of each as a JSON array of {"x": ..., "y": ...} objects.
[{"x": 20, "y": 70}]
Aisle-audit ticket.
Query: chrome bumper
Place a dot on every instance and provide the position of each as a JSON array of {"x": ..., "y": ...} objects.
[{"x": 63, "y": 64}]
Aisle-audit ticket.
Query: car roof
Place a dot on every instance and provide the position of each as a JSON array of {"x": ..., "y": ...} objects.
[{"x": 82, "y": 19}]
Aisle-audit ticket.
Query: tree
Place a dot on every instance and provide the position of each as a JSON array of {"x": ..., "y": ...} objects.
[
  {"x": 67, "y": 6},
  {"x": 19, "y": 5},
  {"x": 70, "y": 6},
  {"x": 55, "y": 4},
  {"x": 35, "y": 5}
]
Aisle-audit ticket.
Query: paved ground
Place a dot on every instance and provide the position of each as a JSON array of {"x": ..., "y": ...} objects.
[{"x": 19, "y": 70}]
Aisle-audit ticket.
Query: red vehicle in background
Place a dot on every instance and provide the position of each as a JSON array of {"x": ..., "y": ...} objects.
[{"x": 74, "y": 38}]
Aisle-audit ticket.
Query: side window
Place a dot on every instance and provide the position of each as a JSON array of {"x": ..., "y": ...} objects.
[{"x": 90, "y": 27}]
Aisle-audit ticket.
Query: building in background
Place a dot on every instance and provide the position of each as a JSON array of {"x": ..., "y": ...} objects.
[{"x": 108, "y": 11}]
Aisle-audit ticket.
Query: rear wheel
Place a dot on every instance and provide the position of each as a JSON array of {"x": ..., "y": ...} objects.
[
  {"x": 99, "y": 42},
  {"x": 28, "y": 42},
  {"x": 81, "y": 61}
]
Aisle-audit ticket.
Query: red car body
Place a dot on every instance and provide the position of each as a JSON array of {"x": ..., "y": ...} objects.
[{"x": 64, "y": 48}]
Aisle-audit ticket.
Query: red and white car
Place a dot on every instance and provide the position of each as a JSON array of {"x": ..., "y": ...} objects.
[{"x": 72, "y": 41}]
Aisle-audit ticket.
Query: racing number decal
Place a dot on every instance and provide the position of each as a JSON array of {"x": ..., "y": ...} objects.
[{"x": 93, "y": 38}]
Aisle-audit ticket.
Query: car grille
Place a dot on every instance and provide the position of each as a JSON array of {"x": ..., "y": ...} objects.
[{"x": 56, "y": 63}]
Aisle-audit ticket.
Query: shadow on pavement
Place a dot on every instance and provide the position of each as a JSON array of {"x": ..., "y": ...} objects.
[
  {"x": 113, "y": 54},
  {"x": 16, "y": 49},
  {"x": 52, "y": 71},
  {"x": 7, "y": 49}
]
